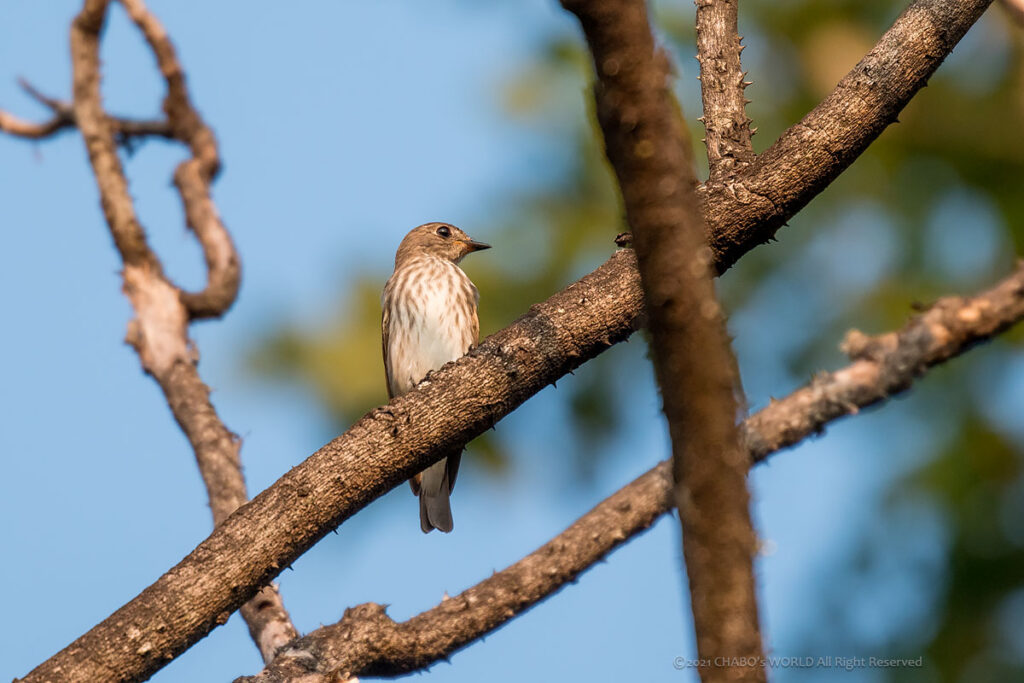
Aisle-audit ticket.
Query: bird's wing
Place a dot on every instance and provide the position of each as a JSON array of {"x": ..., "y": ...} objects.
[
  {"x": 385, "y": 323},
  {"x": 474, "y": 336},
  {"x": 474, "y": 322}
]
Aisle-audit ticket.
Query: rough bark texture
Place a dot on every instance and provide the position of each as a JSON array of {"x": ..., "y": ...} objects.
[
  {"x": 255, "y": 543},
  {"x": 382, "y": 450},
  {"x": 748, "y": 209},
  {"x": 645, "y": 138},
  {"x": 886, "y": 364},
  {"x": 726, "y": 126},
  {"x": 367, "y": 642}
]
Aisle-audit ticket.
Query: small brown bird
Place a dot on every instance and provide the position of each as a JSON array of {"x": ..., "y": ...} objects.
[{"x": 429, "y": 319}]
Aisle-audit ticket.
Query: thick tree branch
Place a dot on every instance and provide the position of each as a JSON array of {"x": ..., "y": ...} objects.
[
  {"x": 367, "y": 642},
  {"x": 726, "y": 126},
  {"x": 747, "y": 210},
  {"x": 556, "y": 336},
  {"x": 382, "y": 450},
  {"x": 647, "y": 144}
]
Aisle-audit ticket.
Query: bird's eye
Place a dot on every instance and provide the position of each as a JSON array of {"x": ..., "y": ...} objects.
[{"x": 443, "y": 231}]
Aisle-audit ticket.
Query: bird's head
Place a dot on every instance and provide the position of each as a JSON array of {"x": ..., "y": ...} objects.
[{"x": 442, "y": 240}]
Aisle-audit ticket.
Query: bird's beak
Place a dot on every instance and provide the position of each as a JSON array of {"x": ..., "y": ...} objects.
[{"x": 473, "y": 245}]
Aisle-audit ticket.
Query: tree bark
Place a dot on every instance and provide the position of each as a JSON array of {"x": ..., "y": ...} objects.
[
  {"x": 367, "y": 642},
  {"x": 727, "y": 129},
  {"x": 159, "y": 332},
  {"x": 648, "y": 146},
  {"x": 191, "y": 599}
]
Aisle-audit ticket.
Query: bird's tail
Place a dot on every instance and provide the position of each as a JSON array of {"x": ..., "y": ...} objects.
[{"x": 435, "y": 490}]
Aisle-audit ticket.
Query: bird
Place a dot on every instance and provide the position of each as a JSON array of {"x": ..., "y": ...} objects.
[{"x": 429, "y": 318}]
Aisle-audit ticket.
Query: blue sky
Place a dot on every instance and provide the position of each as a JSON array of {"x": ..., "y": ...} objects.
[{"x": 341, "y": 126}]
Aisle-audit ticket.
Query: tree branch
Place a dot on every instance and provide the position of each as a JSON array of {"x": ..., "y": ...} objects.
[
  {"x": 749, "y": 209},
  {"x": 887, "y": 364},
  {"x": 647, "y": 144},
  {"x": 366, "y": 642},
  {"x": 382, "y": 450},
  {"x": 159, "y": 332},
  {"x": 63, "y": 118},
  {"x": 390, "y": 444},
  {"x": 193, "y": 176},
  {"x": 726, "y": 126}
]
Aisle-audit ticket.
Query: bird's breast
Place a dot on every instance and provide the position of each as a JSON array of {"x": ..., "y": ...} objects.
[{"x": 432, "y": 320}]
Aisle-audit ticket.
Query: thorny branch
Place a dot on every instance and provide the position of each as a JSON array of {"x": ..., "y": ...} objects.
[
  {"x": 557, "y": 335},
  {"x": 367, "y": 642},
  {"x": 647, "y": 143},
  {"x": 382, "y": 450},
  {"x": 727, "y": 129},
  {"x": 887, "y": 364},
  {"x": 748, "y": 209}
]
